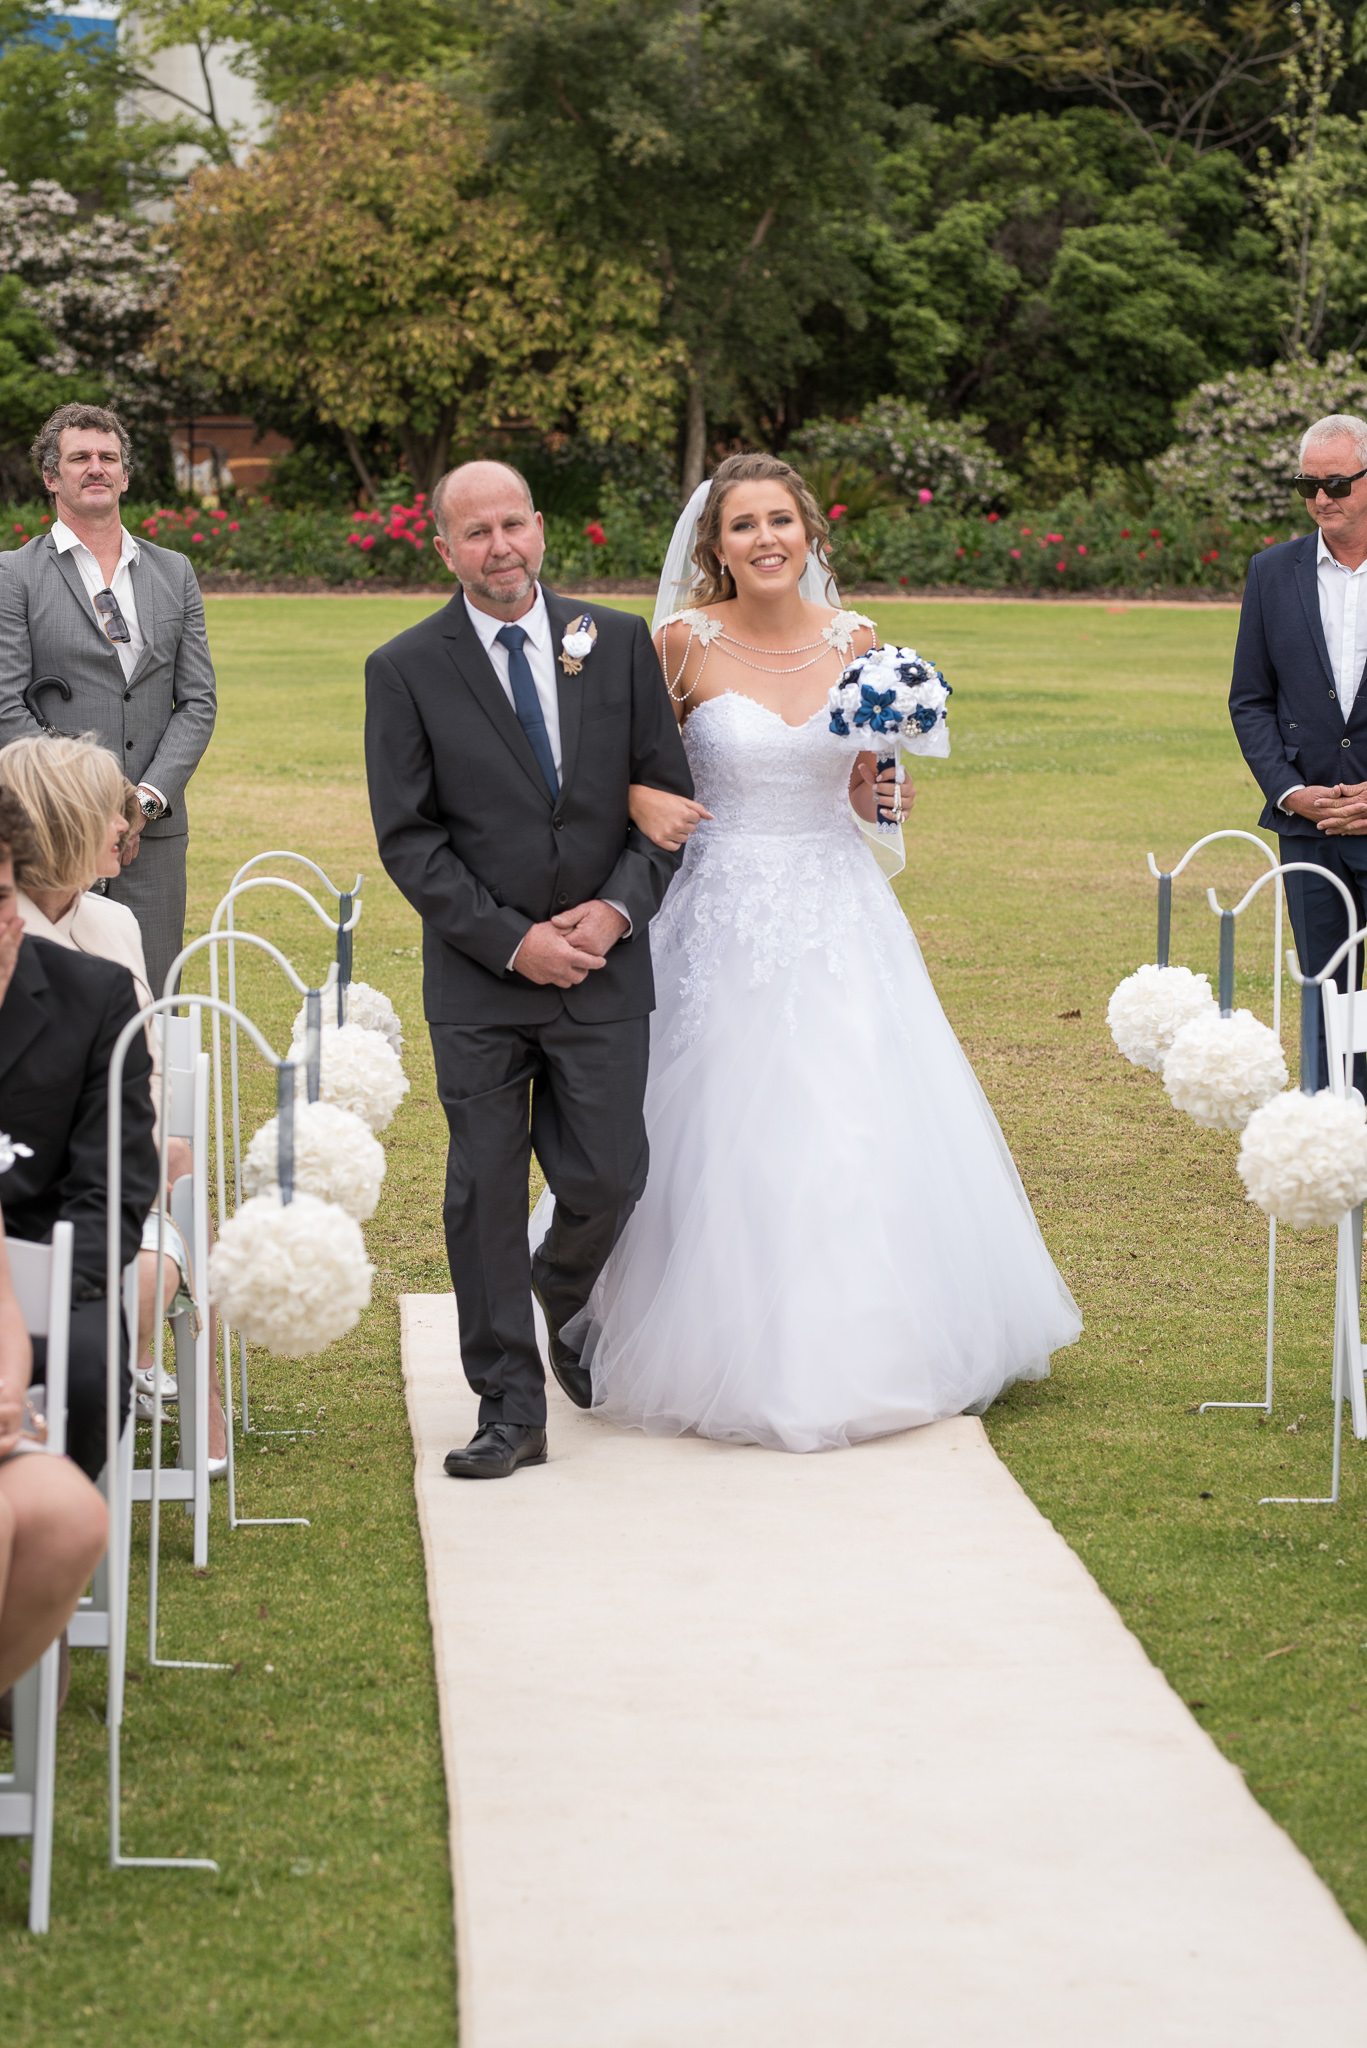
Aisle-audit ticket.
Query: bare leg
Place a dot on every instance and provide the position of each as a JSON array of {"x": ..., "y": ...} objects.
[{"x": 53, "y": 1530}]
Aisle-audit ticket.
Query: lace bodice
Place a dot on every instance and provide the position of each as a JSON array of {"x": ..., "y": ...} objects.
[{"x": 781, "y": 867}]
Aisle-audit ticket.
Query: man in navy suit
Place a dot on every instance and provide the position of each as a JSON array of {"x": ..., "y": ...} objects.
[{"x": 1299, "y": 711}]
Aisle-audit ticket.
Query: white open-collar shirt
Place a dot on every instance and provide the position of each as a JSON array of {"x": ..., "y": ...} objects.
[
  {"x": 129, "y": 651},
  {"x": 1343, "y": 615},
  {"x": 540, "y": 652}
]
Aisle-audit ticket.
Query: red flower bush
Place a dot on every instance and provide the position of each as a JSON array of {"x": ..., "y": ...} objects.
[{"x": 594, "y": 532}]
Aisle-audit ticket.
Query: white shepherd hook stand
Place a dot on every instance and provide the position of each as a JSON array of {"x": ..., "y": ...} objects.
[
  {"x": 118, "y": 1559},
  {"x": 1347, "y": 1379},
  {"x": 344, "y": 924},
  {"x": 1165, "y": 882}
]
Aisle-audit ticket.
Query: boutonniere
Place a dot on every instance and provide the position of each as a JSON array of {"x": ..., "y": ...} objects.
[{"x": 577, "y": 644}]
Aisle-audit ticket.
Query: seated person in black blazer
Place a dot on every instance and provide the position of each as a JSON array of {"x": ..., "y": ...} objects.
[{"x": 60, "y": 1016}]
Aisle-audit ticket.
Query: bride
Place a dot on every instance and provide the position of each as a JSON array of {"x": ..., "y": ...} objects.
[{"x": 833, "y": 1242}]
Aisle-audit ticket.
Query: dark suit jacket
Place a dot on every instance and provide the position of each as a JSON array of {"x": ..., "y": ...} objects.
[
  {"x": 1283, "y": 698},
  {"x": 59, "y": 1020},
  {"x": 467, "y": 829}
]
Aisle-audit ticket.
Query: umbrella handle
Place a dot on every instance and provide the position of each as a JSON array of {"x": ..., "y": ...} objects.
[{"x": 30, "y": 695}]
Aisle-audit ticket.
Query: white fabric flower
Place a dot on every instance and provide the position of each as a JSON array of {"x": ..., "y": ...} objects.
[
  {"x": 1303, "y": 1158},
  {"x": 291, "y": 1279},
  {"x": 369, "y": 1007},
  {"x": 1220, "y": 1069},
  {"x": 335, "y": 1158},
  {"x": 360, "y": 1071},
  {"x": 1150, "y": 1007}
]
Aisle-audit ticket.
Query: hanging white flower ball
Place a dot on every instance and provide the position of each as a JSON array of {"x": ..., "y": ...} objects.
[
  {"x": 292, "y": 1279},
  {"x": 358, "y": 1070},
  {"x": 369, "y": 1007},
  {"x": 335, "y": 1158},
  {"x": 1220, "y": 1069},
  {"x": 1150, "y": 1007},
  {"x": 1303, "y": 1158}
]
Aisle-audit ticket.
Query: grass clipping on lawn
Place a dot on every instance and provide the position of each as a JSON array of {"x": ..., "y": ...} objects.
[{"x": 1082, "y": 738}]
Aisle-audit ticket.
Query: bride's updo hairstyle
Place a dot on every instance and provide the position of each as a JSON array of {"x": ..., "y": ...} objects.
[{"x": 713, "y": 583}]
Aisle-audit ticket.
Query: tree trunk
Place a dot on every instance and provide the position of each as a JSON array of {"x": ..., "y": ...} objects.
[
  {"x": 353, "y": 449},
  {"x": 695, "y": 435}
]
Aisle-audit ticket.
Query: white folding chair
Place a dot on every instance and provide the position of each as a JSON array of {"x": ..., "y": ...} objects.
[
  {"x": 42, "y": 1283},
  {"x": 90, "y": 1626},
  {"x": 187, "y": 1116}
]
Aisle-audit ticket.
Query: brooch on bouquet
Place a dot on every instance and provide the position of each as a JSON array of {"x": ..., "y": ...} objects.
[
  {"x": 577, "y": 644},
  {"x": 892, "y": 694}
]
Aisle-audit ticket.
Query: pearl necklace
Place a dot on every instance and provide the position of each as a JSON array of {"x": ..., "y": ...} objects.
[{"x": 825, "y": 646}]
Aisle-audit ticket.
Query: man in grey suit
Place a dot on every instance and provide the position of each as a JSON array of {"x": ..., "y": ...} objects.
[{"x": 116, "y": 625}]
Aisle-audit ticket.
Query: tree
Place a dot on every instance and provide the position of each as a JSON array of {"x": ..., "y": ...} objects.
[
  {"x": 369, "y": 266},
  {"x": 1237, "y": 444},
  {"x": 720, "y": 146},
  {"x": 1311, "y": 198},
  {"x": 62, "y": 114},
  {"x": 31, "y": 387},
  {"x": 1199, "y": 76},
  {"x": 1049, "y": 274},
  {"x": 298, "y": 51}
]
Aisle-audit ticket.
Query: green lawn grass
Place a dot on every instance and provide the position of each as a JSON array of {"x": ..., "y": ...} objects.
[{"x": 1082, "y": 738}]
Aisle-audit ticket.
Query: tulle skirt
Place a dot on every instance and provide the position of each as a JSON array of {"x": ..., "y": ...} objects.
[{"x": 834, "y": 1242}]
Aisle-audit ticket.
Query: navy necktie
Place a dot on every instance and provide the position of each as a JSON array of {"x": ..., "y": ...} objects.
[{"x": 527, "y": 704}]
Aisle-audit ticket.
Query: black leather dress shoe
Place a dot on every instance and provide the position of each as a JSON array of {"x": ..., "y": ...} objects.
[
  {"x": 497, "y": 1449},
  {"x": 571, "y": 1377}
]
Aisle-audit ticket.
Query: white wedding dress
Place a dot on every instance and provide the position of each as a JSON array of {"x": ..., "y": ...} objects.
[{"x": 833, "y": 1242}]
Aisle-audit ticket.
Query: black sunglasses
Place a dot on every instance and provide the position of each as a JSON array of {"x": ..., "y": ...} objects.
[
  {"x": 1332, "y": 486},
  {"x": 115, "y": 624}
]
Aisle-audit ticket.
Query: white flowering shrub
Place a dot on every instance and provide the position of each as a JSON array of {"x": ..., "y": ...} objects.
[
  {"x": 292, "y": 1279},
  {"x": 1150, "y": 1007},
  {"x": 1303, "y": 1158},
  {"x": 1220, "y": 1069},
  {"x": 1238, "y": 442},
  {"x": 335, "y": 1158},
  {"x": 95, "y": 281},
  {"x": 894, "y": 438}
]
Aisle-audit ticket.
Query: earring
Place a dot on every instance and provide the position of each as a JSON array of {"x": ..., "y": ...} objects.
[{"x": 721, "y": 567}]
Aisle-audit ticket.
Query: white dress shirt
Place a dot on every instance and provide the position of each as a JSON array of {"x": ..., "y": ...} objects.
[
  {"x": 540, "y": 652},
  {"x": 1343, "y": 615},
  {"x": 129, "y": 651},
  {"x": 536, "y": 624}
]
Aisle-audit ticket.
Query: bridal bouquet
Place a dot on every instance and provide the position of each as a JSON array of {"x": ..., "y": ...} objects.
[{"x": 891, "y": 694}]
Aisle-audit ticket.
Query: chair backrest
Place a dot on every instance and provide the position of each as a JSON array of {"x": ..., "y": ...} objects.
[
  {"x": 1335, "y": 1004},
  {"x": 181, "y": 1040},
  {"x": 42, "y": 1285}
]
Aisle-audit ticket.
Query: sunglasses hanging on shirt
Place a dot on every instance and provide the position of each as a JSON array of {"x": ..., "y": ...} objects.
[
  {"x": 1310, "y": 486},
  {"x": 111, "y": 618}
]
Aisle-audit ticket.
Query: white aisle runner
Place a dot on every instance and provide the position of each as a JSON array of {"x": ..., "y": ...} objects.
[{"x": 756, "y": 1751}]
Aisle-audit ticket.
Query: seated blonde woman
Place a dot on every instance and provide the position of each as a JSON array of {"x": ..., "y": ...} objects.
[
  {"x": 80, "y": 805},
  {"x": 53, "y": 1525}
]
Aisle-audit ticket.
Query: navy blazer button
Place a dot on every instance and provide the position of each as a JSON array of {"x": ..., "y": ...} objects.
[
  {"x": 1331, "y": 696},
  {"x": 1345, "y": 743}
]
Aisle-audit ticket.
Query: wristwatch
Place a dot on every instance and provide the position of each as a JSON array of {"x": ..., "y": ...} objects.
[{"x": 150, "y": 804}]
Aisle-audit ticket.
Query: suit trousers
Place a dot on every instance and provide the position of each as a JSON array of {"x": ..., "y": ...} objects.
[
  {"x": 1318, "y": 916},
  {"x": 574, "y": 1093},
  {"x": 153, "y": 887},
  {"x": 87, "y": 1402}
]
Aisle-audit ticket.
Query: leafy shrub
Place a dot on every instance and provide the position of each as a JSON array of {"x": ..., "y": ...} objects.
[
  {"x": 1239, "y": 436},
  {"x": 1082, "y": 543},
  {"x": 900, "y": 441}
]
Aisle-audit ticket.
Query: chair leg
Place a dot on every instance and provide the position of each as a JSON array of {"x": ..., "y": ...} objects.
[{"x": 35, "y": 1772}]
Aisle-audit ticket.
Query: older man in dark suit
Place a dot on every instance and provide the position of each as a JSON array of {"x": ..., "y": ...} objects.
[
  {"x": 1297, "y": 701},
  {"x": 502, "y": 735},
  {"x": 120, "y": 623}
]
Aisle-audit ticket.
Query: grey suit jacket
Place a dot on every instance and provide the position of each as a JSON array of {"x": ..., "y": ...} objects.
[{"x": 159, "y": 722}]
